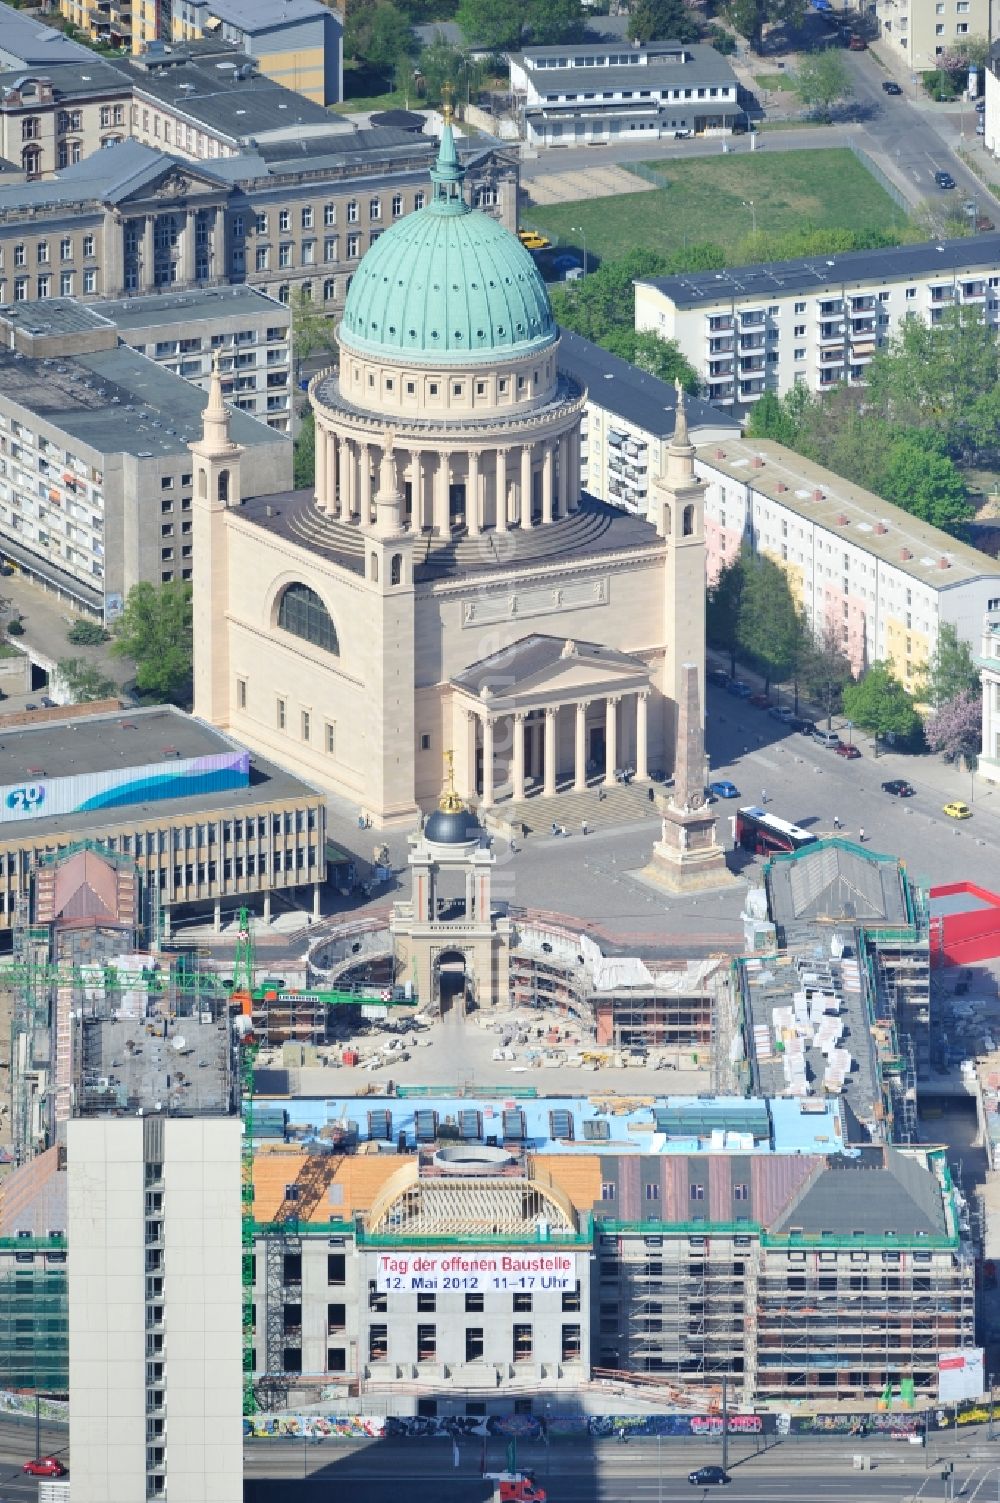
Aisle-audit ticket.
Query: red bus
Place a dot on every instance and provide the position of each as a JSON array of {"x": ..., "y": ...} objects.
[{"x": 756, "y": 830}]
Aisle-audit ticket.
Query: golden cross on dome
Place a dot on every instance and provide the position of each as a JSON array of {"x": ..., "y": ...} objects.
[{"x": 446, "y": 106}]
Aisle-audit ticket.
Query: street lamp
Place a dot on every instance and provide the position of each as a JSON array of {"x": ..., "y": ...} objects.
[
  {"x": 578, "y": 229},
  {"x": 749, "y": 204}
]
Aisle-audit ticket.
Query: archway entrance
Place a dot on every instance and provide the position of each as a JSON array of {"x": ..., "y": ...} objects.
[{"x": 451, "y": 982}]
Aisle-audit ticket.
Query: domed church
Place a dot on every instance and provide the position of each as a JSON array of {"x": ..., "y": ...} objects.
[{"x": 445, "y": 586}]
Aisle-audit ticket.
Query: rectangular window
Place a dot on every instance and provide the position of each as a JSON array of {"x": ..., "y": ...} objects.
[
  {"x": 522, "y": 1303},
  {"x": 329, "y": 215},
  {"x": 426, "y": 1303},
  {"x": 522, "y": 1344},
  {"x": 652, "y": 1192},
  {"x": 307, "y": 217},
  {"x": 426, "y": 1343},
  {"x": 336, "y": 1268},
  {"x": 330, "y": 738},
  {"x": 608, "y": 1190},
  {"x": 571, "y": 1343},
  {"x": 571, "y": 1298},
  {"x": 305, "y": 725},
  {"x": 697, "y": 1192},
  {"x": 241, "y": 693},
  {"x": 284, "y": 220},
  {"x": 282, "y": 714},
  {"x": 474, "y": 1304},
  {"x": 473, "y": 1343},
  {"x": 378, "y": 1343},
  {"x": 741, "y": 1192}
]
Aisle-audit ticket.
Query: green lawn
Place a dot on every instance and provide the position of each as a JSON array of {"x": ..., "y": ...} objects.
[
  {"x": 704, "y": 202},
  {"x": 774, "y": 81}
]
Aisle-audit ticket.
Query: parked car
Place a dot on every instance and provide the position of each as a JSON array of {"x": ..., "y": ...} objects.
[
  {"x": 899, "y": 788},
  {"x": 47, "y": 703},
  {"x": 683, "y": 135},
  {"x": 718, "y": 676},
  {"x": 760, "y": 701},
  {"x": 724, "y": 789},
  {"x": 782, "y": 713},
  {"x": 829, "y": 739},
  {"x": 532, "y": 240},
  {"x": 44, "y": 1466},
  {"x": 857, "y": 43},
  {"x": 980, "y": 106},
  {"x": 804, "y": 727},
  {"x": 889, "y": 87},
  {"x": 848, "y": 749},
  {"x": 739, "y": 688},
  {"x": 957, "y": 810},
  {"x": 708, "y": 1476},
  {"x": 944, "y": 180}
]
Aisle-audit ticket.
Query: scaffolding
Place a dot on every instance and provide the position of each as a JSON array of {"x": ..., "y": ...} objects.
[{"x": 34, "y": 1315}]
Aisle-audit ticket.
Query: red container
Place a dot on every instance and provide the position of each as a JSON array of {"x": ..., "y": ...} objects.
[{"x": 350, "y": 1057}]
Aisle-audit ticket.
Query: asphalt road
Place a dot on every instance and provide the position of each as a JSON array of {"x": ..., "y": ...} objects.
[
  {"x": 607, "y": 1472},
  {"x": 812, "y": 786},
  {"x": 17, "y": 1445}
]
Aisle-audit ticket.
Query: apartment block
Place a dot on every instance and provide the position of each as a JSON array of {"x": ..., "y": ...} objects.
[
  {"x": 183, "y": 332},
  {"x": 627, "y": 422},
  {"x": 916, "y": 32},
  {"x": 593, "y": 92},
  {"x": 296, "y": 215},
  {"x": 878, "y": 578},
  {"x": 815, "y": 321},
  {"x": 96, "y": 474},
  {"x": 299, "y": 44}
]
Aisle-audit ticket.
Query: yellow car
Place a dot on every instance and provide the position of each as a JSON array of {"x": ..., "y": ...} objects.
[
  {"x": 958, "y": 810},
  {"x": 532, "y": 240}
]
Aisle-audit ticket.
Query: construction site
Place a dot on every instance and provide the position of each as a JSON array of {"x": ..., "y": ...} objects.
[{"x": 768, "y": 1218}]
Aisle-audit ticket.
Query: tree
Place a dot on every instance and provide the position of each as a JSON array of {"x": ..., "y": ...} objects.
[
  {"x": 749, "y": 17},
  {"x": 440, "y": 65},
  {"x": 496, "y": 25},
  {"x": 822, "y": 81},
  {"x": 956, "y": 729},
  {"x": 951, "y": 671},
  {"x": 553, "y": 21},
  {"x": 658, "y": 20},
  {"x": 826, "y": 670},
  {"x": 378, "y": 34},
  {"x": 921, "y": 479},
  {"x": 304, "y": 453},
  {"x": 879, "y": 703},
  {"x": 722, "y": 614},
  {"x": 769, "y": 623},
  {"x": 311, "y": 329},
  {"x": 85, "y": 681},
  {"x": 155, "y": 631}
]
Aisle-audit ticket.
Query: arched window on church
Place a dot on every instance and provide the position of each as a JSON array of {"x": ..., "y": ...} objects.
[
  {"x": 223, "y": 485},
  {"x": 302, "y": 613},
  {"x": 396, "y": 569},
  {"x": 374, "y": 568},
  {"x": 688, "y": 521},
  {"x": 202, "y": 483}
]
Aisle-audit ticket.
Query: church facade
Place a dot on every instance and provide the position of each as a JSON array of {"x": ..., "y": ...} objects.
[{"x": 445, "y": 586}]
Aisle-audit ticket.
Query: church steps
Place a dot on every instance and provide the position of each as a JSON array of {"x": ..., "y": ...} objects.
[{"x": 622, "y": 804}]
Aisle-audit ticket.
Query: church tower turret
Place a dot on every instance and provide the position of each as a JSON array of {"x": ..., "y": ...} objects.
[{"x": 216, "y": 488}]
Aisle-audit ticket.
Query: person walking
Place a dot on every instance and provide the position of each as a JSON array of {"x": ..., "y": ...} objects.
[
  {"x": 763, "y": 796},
  {"x": 836, "y": 822},
  {"x": 583, "y": 827},
  {"x": 861, "y": 836}
]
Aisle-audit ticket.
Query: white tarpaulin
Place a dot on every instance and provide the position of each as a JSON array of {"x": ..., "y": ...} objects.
[
  {"x": 960, "y": 1375},
  {"x": 609, "y": 972}
]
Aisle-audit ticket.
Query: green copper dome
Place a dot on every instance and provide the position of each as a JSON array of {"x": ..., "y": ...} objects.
[{"x": 447, "y": 282}]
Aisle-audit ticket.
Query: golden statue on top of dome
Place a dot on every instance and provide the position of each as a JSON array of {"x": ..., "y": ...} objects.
[
  {"x": 450, "y": 801},
  {"x": 447, "y": 111}
]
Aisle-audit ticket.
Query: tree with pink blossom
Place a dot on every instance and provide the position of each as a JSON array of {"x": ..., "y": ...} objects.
[{"x": 955, "y": 729}]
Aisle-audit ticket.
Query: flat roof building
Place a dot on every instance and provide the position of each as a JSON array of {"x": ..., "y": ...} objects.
[
  {"x": 814, "y": 320},
  {"x": 95, "y": 470},
  {"x": 628, "y": 420},
  {"x": 589, "y": 92},
  {"x": 883, "y": 580},
  {"x": 203, "y": 820},
  {"x": 182, "y": 332}
]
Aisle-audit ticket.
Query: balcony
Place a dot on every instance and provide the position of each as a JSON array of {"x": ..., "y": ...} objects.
[
  {"x": 973, "y": 292},
  {"x": 719, "y": 323},
  {"x": 941, "y": 295},
  {"x": 861, "y": 327},
  {"x": 751, "y": 342},
  {"x": 862, "y": 305},
  {"x": 752, "y": 319},
  {"x": 831, "y": 357},
  {"x": 830, "y": 332},
  {"x": 721, "y": 346},
  {"x": 831, "y": 308}
]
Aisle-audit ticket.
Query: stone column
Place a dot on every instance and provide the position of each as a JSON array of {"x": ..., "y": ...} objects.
[
  {"x": 113, "y": 246},
  {"x": 487, "y": 762},
  {"x": 442, "y": 491},
  {"x": 146, "y": 277},
  {"x": 188, "y": 267},
  {"x": 610, "y": 738},
  {"x": 501, "y": 490},
  {"x": 347, "y": 503},
  {"x": 317, "y": 902},
  {"x": 526, "y": 486},
  {"x": 580, "y": 761},
  {"x": 470, "y": 887},
  {"x": 547, "y": 482},
  {"x": 472, "y": 520},
  {"x": 216, "y": 246},
  {"x": 518, "y": 756},
  {"x": 332, "y": 475},
  {"x": 575, "y": 480},
  {"x": 549, "y": 787},
  {"x": 565, "y": 451},
  {"x": 365, "y": 498},
  {"x": 471, "y": 781},
  {"x": 641, "y": 756},
  {"x": 319, "y": 447}
]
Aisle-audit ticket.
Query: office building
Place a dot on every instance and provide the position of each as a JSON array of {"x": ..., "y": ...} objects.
[
  {"x": 586, "y": 93},
  {"x": 878, "y": 578},
  {"x": 817, "y": 320},
  {"x": 296, "y": 216},
  {"x": 95, "y": 472},
  {"x": 203, "y": 821},
  {"x": 183, "y": 332}
]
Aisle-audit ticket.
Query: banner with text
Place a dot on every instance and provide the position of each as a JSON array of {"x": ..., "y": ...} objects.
[{"x": 475, "y": 1272}]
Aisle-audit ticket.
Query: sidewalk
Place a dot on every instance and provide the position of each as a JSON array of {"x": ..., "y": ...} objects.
[{"x": 47, "y": 619}]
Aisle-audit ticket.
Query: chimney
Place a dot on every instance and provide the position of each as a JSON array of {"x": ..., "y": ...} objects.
[
  {"x": 944, "y": 563},
  {"x": 842, "y": 519},
  {"x": 758, "y": 463},
  {"x": 881, "y": 529},
  {"x": 818, "y": 496},
  {"x": 905, "y": 553},
  {"x": 781, "y": 486},
  {"x": 720, "y": 453}
]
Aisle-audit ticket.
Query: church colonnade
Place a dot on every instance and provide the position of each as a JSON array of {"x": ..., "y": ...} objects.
[
  {"x": 513, "y": 483},
  {"x": 506, "y": 748}
]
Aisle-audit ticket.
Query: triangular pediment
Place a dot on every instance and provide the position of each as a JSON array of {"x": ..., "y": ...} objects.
[
  {"x": 168, "y": 183},
  {"x": 538, "y": 668}
]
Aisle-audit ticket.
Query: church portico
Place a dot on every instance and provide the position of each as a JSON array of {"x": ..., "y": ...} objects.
[{"x": 548, "y": 714}]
